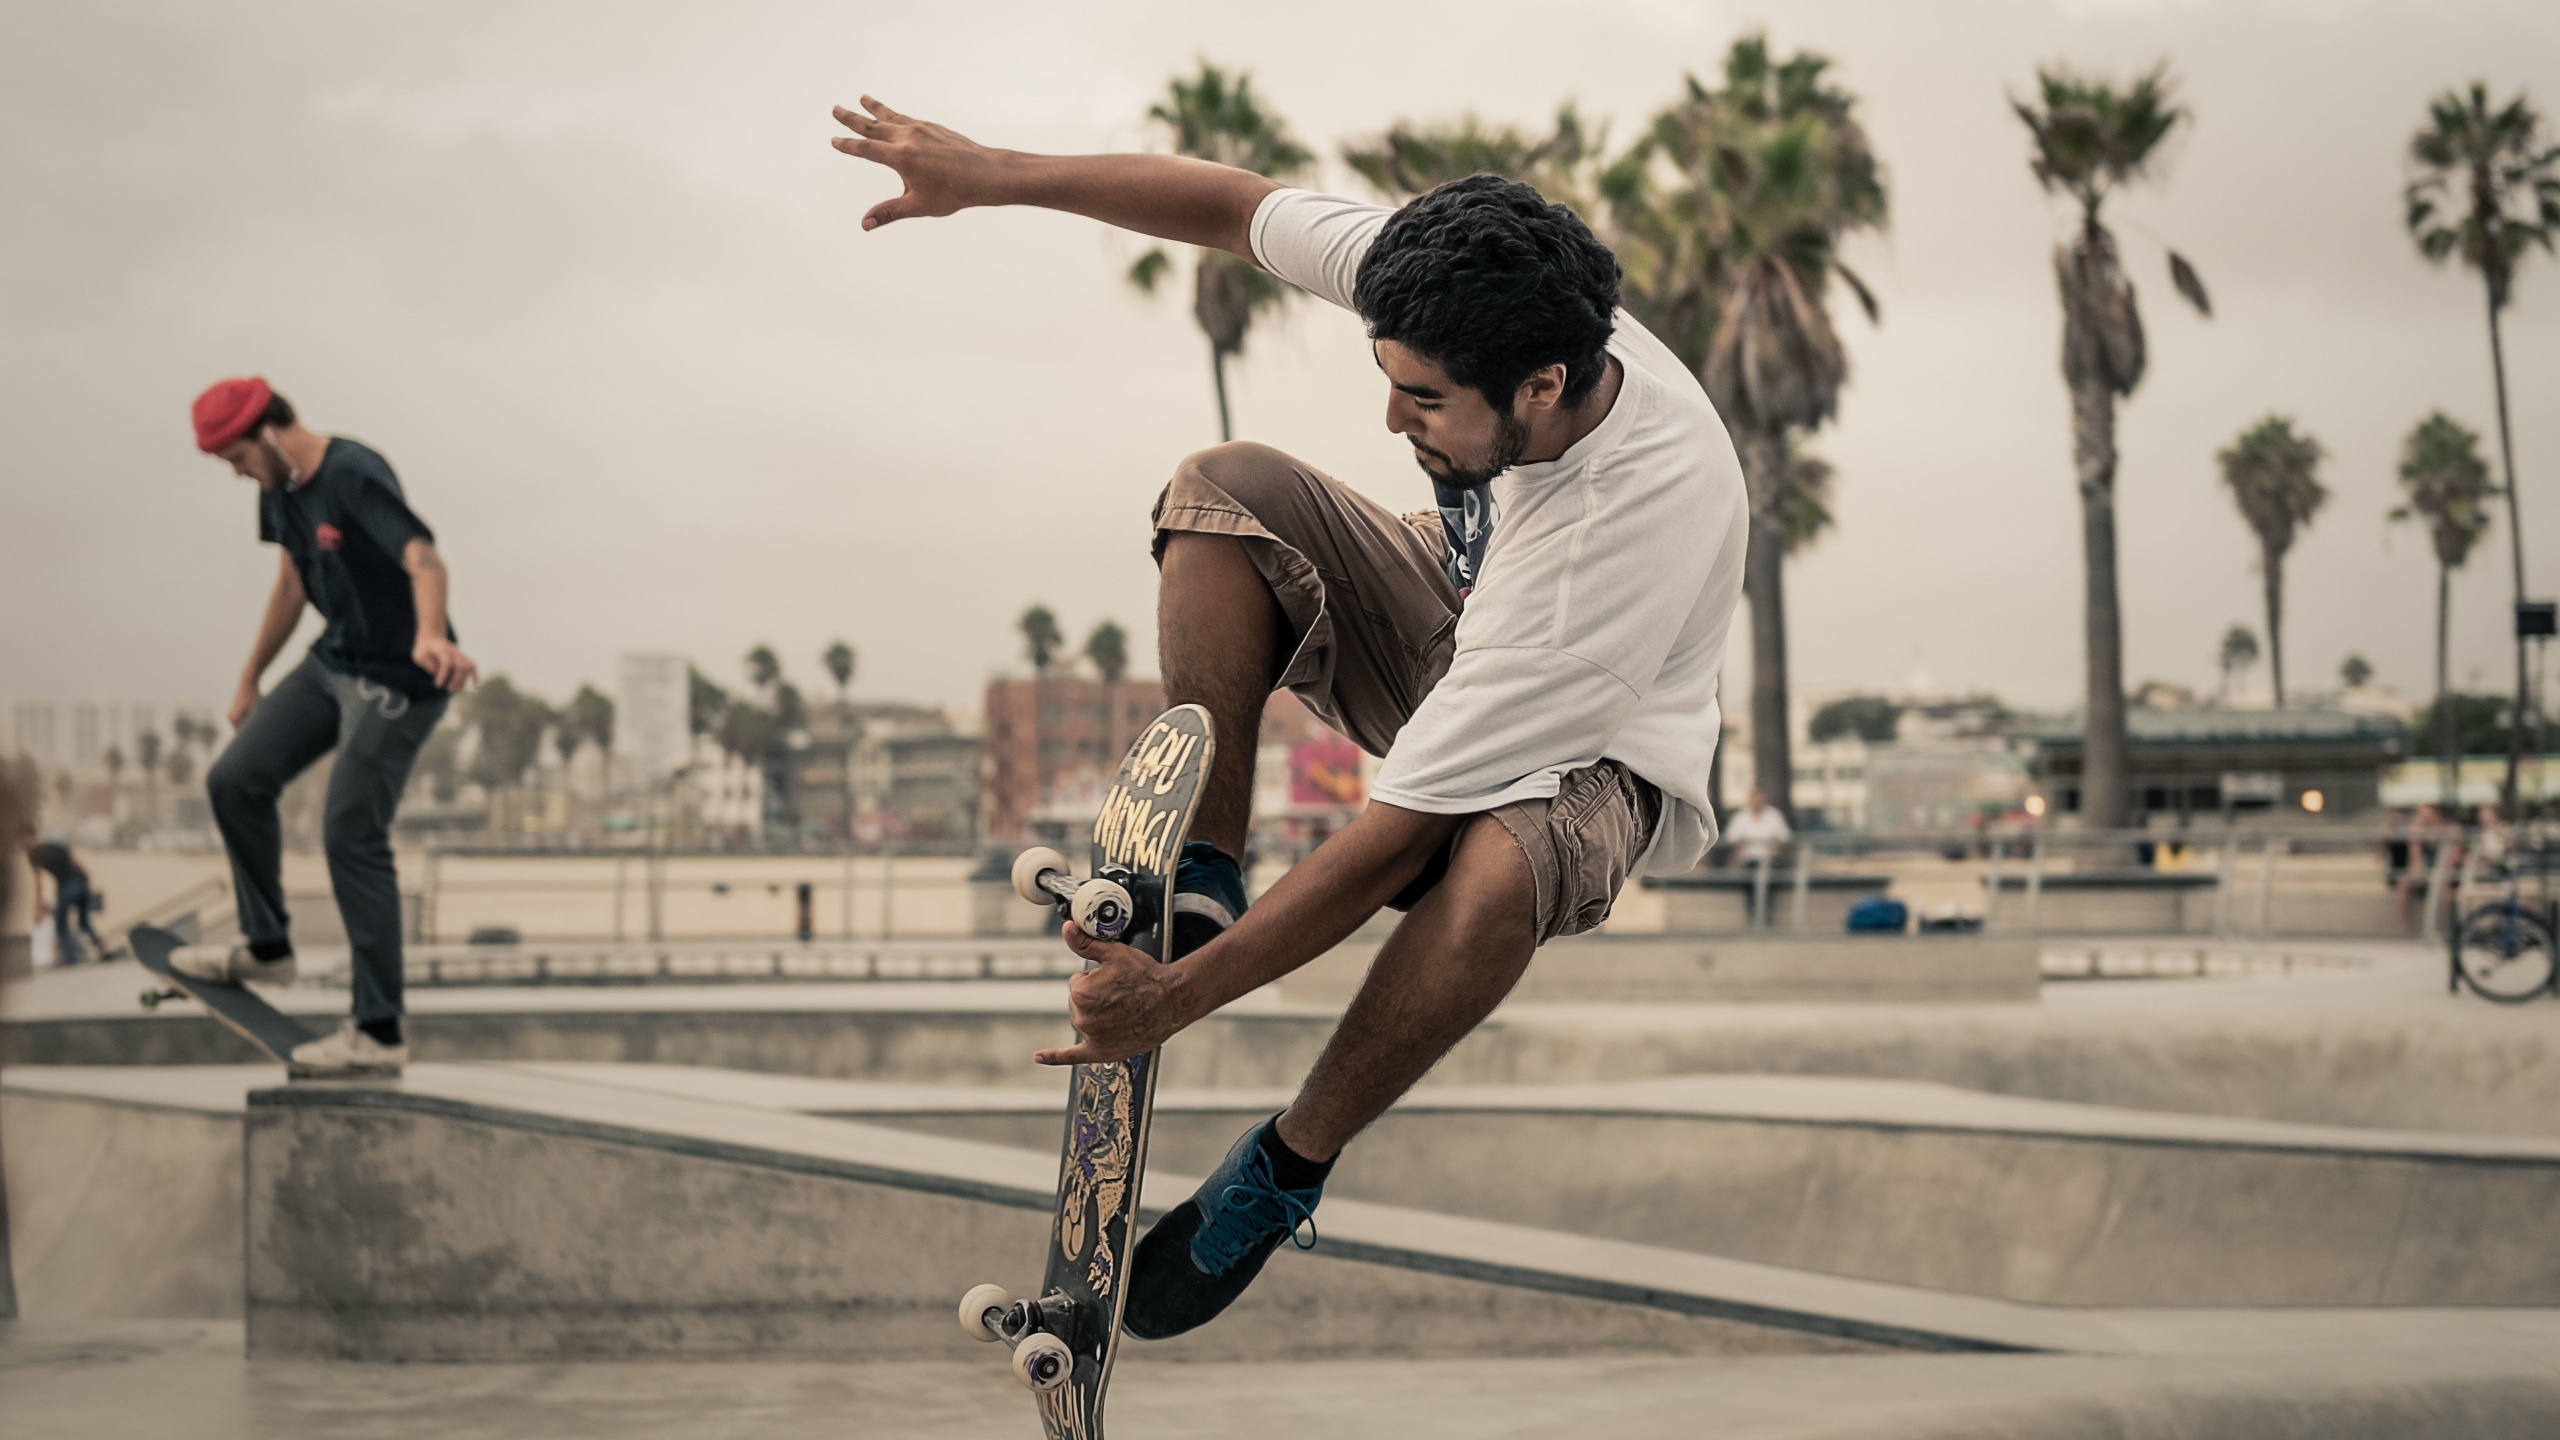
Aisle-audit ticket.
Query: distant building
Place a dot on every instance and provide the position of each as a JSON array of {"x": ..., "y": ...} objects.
[
  {"x": 1308, "y": 780},
  {"x": 2232, "y": 763},
  {"x": 652, "y": 726},
  {"x": 1055, "y": 738},
  {"x": 74, "y": 736},
  {"x": 922, "y": 788}
]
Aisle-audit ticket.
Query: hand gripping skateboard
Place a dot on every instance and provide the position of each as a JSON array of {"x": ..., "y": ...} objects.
[
  {"x": 236, "y": 1006},
  {"x": 1064, "y": 1340}
]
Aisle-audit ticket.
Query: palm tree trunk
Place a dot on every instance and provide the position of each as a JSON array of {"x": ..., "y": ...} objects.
[
  {"x": 2515, "y": 536},
  {"x": 2105, "y": 770},
  {"x": 1764, "y": 458},
  {"x": 2275, "y": 620},
  {"x": 1218, "y": 370},
  {"x": 2446, "y": 743}
]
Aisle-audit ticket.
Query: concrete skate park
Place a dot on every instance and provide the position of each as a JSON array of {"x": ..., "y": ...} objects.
[{"x": 1755, "y": 1182}]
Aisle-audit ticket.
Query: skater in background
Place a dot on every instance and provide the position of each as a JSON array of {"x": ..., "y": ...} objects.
[
  {"x": 371, "y": 689},
  {"x": 75, "y": 901}
]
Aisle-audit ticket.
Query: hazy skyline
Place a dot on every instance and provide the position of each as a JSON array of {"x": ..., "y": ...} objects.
[{"x": 592, "y": 281}]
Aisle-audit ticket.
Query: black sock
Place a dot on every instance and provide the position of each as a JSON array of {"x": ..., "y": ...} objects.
[
  {"x": 384, "y": 1032},
  {"x": 1292, "y": 1170},
  {"x": 267, "y": 952}
]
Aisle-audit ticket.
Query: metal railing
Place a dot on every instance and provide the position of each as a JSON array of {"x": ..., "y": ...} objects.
[{"x": 2245, "y": 881}]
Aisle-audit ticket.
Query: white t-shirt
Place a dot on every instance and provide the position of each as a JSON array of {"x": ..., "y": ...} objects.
[
  {"x": 1596, "y": 628},
  {"x": 1762, "y": 833}
]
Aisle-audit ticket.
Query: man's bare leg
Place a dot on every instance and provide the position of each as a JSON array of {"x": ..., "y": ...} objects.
[
  {"x": 1221, "y": 640},
  {"x": 1445, "y": 968}
]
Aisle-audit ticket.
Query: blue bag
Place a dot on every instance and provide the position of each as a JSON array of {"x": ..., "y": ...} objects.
[{"x": 1876, "y": 914}]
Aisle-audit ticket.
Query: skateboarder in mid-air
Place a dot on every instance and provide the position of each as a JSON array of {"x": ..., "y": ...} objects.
[
  {"x": 1536, "y": 661},
  {"x": 371, "y": 689}
]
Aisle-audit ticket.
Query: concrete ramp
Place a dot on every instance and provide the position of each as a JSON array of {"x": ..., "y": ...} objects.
[
  {"x": 474, "y": 1212},
  {"x": 1906, "y": 1181},
  {"x": 124, "y": 1190}
]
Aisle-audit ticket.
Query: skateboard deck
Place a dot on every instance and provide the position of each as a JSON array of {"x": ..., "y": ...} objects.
[
  {"x": 1066, "y": 1339},
  {"x": 236, "y": 1006}
]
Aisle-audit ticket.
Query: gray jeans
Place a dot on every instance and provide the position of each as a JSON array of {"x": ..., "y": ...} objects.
[{"x": 376, "y": 731}]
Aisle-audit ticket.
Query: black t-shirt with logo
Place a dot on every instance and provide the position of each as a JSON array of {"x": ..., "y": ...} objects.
[{"x": 346, "y": 528}]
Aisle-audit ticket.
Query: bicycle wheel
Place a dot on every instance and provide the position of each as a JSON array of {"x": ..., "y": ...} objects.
[{"x": 2506, "y": 953}]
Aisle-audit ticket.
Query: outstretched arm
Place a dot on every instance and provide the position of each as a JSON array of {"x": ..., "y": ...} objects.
[{"x": 1171, "y": 197}]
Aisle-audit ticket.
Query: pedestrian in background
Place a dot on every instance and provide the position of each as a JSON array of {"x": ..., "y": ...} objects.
[{"x": 74, "y": 901}]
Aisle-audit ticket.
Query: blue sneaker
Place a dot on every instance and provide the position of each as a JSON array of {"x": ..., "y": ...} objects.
[
  {"x": 1208, "y": 895},
  {"x": 1207, "y": 1249}
]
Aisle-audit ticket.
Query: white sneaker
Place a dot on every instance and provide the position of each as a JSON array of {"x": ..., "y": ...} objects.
[
  {"x": 229, "y": 965},
  {"x": 348, "y": 1051}
]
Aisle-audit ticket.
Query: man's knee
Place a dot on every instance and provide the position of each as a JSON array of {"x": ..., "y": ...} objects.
[
  {"x": 231, "y": 785},
  {"x": 1489, "y": 885},
  {"x": 1256, "y": 477}
]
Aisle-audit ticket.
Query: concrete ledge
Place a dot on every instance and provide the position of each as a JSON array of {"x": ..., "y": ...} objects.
[
  {"x": 1708, "y": 969},
  {"x": 478, "y": 1212},
  {"x": 1890, "y": 1180}
]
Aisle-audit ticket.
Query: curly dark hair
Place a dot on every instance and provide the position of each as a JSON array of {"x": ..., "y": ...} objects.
[{"x": 1490, "y": 282}]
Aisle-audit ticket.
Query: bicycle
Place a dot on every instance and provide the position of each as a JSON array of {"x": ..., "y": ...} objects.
[{"x": 2503, "y": 949}]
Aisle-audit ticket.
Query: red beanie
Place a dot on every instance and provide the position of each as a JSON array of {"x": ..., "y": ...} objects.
[{"x": 227, "y": 410}]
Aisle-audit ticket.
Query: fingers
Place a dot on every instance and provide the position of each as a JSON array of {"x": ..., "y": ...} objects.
[
  {"x": 855, "y": 121},
  {"x": 881, "y": 214},
  {"x": 881, "y": 109},
  {"x": 1083, "y": 1053}
]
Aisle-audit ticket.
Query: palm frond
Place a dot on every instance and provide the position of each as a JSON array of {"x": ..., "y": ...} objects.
[
  {"x": 1858, "y": 287},
  {"x": 1150, "y": 269},
  {"x": 2189, "y": 283}
]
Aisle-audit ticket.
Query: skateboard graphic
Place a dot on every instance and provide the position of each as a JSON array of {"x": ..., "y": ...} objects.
[
  {"x": 1065, "y": 1340},
  {"x": 236, "y": 1006}
]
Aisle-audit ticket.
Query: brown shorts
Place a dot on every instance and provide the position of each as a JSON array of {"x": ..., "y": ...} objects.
[{"x": 1376, "y": 621}]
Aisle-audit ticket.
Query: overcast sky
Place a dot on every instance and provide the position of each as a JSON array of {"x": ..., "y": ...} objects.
[{"x": 591, "y": 279}]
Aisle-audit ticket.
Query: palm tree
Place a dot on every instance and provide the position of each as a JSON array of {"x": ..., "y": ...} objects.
[
  {"x": 1410, "y": 159},
  {"x": 1108, "y": 648},
  {"x": 2271, "y": 472},
  {"x": 146, "y": 751},
  {"x": 589, "y": 717},
  {"x": 1041, "y": 640},
  {"x": 839, "y": 663},
  {"x": 764, "y": 668},
  {"x": 2239, "y": 652},
  {"x": 2485, "y": 188},
  {"x": 2090, "y": 141},
  {"x": 2449, "y": 493},
  {"x": 1759, "y": 181},
  {"x": 1212, "y": 117},
  {"x": 2354, "y": 671}
]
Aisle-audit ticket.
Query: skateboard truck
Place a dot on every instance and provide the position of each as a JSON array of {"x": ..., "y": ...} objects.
[
  {"x": 1101, "y": 906},
  {"x": 1042, "y": 1358},
  {"x": 151, "y": 998}
]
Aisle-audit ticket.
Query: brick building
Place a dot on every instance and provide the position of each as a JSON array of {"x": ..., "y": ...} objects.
[{"x": 1054, "y": 737}]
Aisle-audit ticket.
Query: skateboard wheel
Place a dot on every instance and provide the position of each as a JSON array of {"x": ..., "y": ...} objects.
[
  {"x": 979, "y": 1308},
  {"x": 1102, "y": 909},
  {"x": 1043, "y": 1361},
  {"x": 150, "y": 999},
  {"x": 1026, "y": 873}
]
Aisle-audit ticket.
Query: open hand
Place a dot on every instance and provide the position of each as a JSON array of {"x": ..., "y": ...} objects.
[
  {"x": 1126, "y": 1005},
  {"x": 944, "y": 170}
]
